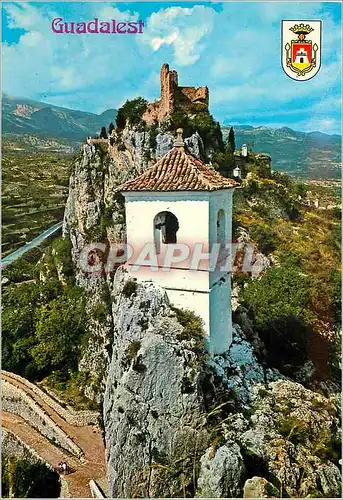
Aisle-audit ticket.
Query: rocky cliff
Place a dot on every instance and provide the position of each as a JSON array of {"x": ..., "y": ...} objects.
[
  {"x": 95, "y": 214},
  {"x": 178, "y": 423}
]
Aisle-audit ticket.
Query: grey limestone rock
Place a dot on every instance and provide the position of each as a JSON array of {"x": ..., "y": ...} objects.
[
  {"x": 221, "y": 472},
  {"x": 164, "y": 143},
  {"x": 195, "y": 145},
  {"x": 153, "y": 407},
  {"x": 259, "y": 487}
]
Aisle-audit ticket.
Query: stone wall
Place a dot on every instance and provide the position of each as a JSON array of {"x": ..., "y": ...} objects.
[
  {"x": 12, "y": 445},
  {"x": 188, "y": 98},
  {"x": 14, "y": 400},
  {"x": 78, "y": 418}
]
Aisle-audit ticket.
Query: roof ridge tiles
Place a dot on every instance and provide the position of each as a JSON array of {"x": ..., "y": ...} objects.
[{"x": 178, "y": 170}]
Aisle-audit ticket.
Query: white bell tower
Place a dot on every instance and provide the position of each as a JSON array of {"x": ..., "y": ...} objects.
[{"x": 177, "y": 211}]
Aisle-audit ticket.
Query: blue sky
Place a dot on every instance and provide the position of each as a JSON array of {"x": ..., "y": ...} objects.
[{"x": 232, "y": 47}]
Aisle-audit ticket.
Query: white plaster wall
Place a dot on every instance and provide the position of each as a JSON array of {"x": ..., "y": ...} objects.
[
  {"x": 220, "y": 317},
  {"x": 195, "y": 301},
  {"x": 181, "y": 279},
  {"x": 191, "y": 210},
  {"x": 220, "y": 200},
  {"x": 197, "y": 290}
]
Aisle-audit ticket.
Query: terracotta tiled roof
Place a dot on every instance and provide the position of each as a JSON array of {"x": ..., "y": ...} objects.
[{"x": 178, "y": 171}]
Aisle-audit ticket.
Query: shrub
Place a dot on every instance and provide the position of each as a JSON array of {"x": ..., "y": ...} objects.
[
  {"x": 120, "y": 119},
  {"x": 61, "y": 249},
  {"x": 265, "y": 238},
  {"x": 100, "y": 312},
  {"x": 153, "y": 131},
  {"x": 110, "y": 128},
  {"x": 279, "y": 302},
  {"x": 102, "y": 149},
  {"x": 132, "y": 350},
  {"x": 192, "y": 327},
  {"x": 22, "y": 479},
  {"x": 130, "y": 288},
  {"x": 103, "y": 133}
]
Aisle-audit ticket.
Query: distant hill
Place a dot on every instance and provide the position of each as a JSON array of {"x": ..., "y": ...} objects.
[
  {"x": 35, "y": 118},
  {"x": 311, "y": 155},
  {"x": 38, "y": 126}
]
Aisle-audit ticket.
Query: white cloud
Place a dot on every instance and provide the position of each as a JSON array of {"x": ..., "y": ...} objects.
[
  {"x": 42, "y": 62},
  {"x": 156, "y": 43},
  {"x": 181, "y": 28},
  {"x": 234, "y": 49}
]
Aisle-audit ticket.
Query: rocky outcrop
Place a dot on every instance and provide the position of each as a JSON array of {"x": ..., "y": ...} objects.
[
  {"x": 176, "y": 421},
  {"x": 195, "y": 145},
  {"x": 258, "y": 487},
  {"x": 164, "y": 143},
  {"x": 292, "y": 438},
  {"x": 153, "y": 405},
  {"x": 239, "y": 369},
  {"x": 221, "y": 472},
  {"x": 248, "y": 257}
]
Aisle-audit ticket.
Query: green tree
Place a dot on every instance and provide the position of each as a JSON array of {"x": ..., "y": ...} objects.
[
  {"x": 19, "y": 304},
  {"x": 103, "y": 133},
  {"x": 22, "y": 479},
  {"x": 110, "y": 128},
  {"x": 231, "y": 140},
  {"x": 224, "y": 161},
  {"x": 59, "y": 326},
  {"x": 120, "y": 119},
  {"x": 131, "y": 112}
]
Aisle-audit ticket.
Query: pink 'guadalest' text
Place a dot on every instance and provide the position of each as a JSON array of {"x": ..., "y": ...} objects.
[{"x": 111, "y": 27}]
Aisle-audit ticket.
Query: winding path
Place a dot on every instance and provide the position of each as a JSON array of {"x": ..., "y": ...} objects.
[
  {"x": 88, "y": 438},
  {"x": 32, "y": 244}
]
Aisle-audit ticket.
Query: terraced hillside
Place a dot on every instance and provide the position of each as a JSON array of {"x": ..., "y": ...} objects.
[{"x": 34, "y": 192}]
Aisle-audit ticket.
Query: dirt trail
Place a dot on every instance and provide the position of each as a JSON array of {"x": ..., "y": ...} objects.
[{"x": 88, "y": 438}]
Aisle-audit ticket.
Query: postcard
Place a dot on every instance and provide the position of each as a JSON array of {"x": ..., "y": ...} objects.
[{"x": 171, "y": 249}]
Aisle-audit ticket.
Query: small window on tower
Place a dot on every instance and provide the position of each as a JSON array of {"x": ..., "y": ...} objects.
[
  {"x": 166, "y": 226},
  {"x": 221, "y": 229}
]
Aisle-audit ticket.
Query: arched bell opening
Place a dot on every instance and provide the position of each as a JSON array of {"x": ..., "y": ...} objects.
[{"x": 166, "y": 226}]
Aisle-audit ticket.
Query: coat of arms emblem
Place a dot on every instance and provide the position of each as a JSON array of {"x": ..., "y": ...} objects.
[{"x": 301, "y": 57}]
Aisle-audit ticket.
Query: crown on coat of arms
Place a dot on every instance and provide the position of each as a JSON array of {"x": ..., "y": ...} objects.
[{"x": 301, "y": 29}]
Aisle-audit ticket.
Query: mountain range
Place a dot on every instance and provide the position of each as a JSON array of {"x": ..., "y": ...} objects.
[
  {"x": 313, "y": 155},
  {"x": 25, "y": 116},
  {"x": 37, "y": 125}
]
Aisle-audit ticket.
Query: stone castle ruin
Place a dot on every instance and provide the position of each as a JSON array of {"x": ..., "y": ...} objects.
[{"x": 188, "y": 99}]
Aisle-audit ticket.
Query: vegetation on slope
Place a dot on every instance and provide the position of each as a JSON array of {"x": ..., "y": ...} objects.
[
  {"x": 44, "y": 320},
  {"x": 297, "y": 300},
  {"x": 22, "y": 479},
  {"x": 34, "y": 193}
]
